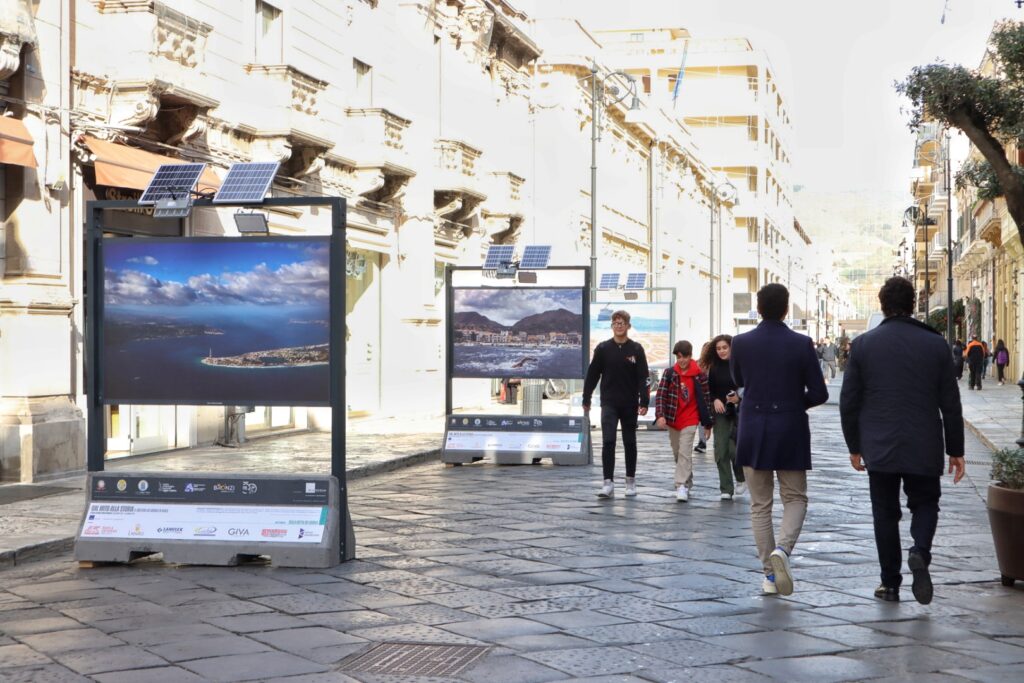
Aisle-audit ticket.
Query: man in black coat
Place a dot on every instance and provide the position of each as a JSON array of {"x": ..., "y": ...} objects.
[
  {"x": 899, "y": 381},
  {"x": 778, "y": 372}
]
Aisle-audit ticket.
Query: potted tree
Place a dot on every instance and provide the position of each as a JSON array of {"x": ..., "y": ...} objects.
[{"x": 1006, "y": 512}]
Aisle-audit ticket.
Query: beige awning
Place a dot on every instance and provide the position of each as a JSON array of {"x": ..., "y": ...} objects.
[
  {"x": 16, "y": 143},
  {"x": 119, "y": 165}
]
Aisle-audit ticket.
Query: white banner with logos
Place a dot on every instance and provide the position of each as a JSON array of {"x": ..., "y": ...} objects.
[
  {"x": 525, "y": 442},
  {"x": 172, "y": 521}
]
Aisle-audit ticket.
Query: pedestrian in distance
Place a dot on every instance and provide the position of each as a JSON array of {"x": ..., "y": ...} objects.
[
  {"x": 975, "y": 355},
  {"x": 722, "y": 391},
  {"x": 1002, "y": 357},
  {"x": 988, "y": 355},
  {"x": 958, "y": 359},
  {"x": 829, "y": 354},
  {"x": 777, "y": 372},
  {"x": 900, "y": 409},
  {"x": 681, "y": 406},
  {"x": 702, "y": 443},
  {"x": 620, "y": 365}
]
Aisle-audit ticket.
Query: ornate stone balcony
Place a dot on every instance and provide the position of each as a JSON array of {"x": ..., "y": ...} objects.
[
  {"x": 457, "y": 168},
  {"x": 503, "y": 210}
]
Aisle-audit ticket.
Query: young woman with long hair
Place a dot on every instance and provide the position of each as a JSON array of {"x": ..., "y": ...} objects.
[{"x": 725, "y": 410}]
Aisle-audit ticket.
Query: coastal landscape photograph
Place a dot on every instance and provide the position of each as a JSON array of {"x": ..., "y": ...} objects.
[
  {"x": 232, "y": 321},
  {"x": 530, "y": 333},
  {"x": 651, "y": 326}
]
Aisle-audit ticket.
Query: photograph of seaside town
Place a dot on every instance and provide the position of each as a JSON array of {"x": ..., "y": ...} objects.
[
  {"x": 531, "y": 332},
  {"x": 233, "y": 321},
  {"x": 650, "y": 324}
]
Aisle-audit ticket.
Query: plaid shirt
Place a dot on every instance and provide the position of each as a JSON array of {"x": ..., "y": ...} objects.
[{"x": 671, "y": 387}]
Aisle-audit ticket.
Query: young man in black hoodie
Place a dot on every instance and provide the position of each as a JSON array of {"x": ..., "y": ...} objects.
[{"x": 621, "y": 366}]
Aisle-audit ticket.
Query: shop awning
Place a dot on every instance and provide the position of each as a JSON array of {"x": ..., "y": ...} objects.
[
  {"x": 119, "y": 165},
  {"x": 15, "y": 143}
]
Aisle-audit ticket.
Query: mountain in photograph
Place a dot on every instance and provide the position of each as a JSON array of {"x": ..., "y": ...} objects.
[
  {"x": 559, "y": 320},
  {"x": 471, "y": 320}
]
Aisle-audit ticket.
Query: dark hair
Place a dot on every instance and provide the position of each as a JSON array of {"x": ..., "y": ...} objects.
[
  {"x": 897, "y": 297},
  {"x": 709, "y": 354},
  {"x": 683, "y": 348},
  {"x": 1000, "y": 345},
  {"x": 624, "y": 315},
  {"x": 772, "y": 301}
]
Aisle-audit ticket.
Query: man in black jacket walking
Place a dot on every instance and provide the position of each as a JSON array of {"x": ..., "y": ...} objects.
[
  {"x": 621, "y": 365},
  {"x": 899, "y": 381}
]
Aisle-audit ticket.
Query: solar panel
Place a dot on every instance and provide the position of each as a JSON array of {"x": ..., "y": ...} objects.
[
  {"x": 498, "y": 254},
  {"x": 609, "y": 281},
  {"x": 172, "y": 181},
  {"x": 535, "y": 257},
  {"x": 636, "y": 280},
  {"x": 247, "y": 182}
]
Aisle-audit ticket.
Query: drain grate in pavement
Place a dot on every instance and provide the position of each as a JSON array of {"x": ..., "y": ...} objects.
[
  {"x": 414, "y": 659},
  {"x": 15, "y": 493}
]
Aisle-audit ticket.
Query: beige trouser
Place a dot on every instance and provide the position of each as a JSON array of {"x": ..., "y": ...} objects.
[
  {"x": 682, "y": 450},
  {"x": 793, "y": 491}
]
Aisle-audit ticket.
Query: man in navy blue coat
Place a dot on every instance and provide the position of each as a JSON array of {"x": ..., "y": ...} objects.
[
  {"x": 899, "y": 381},
  {"x": 778, "y": 372}
]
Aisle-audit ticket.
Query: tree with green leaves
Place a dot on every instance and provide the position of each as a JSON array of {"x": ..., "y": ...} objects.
[{"x": 989, "y": 109}]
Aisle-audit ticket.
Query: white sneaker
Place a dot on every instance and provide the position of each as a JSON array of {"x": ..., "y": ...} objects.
[
  {"x": 683, "y": 494},
  {"x": 783, "y": 577},
  {"x": 768, "y": 586},
  {"x": 630, "y": 486},
  {"x": 726, "y": 496},
  {"x": 608, "y": 490},
  {"x": 741, "y": 488}
]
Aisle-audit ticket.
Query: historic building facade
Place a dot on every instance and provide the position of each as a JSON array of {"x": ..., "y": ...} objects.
[{"x": 449, "y": 125}]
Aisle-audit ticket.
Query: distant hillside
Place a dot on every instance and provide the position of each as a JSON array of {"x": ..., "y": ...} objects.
[
  {"x": 560, "y": 320},
  {"x": 471, "y": 320}
]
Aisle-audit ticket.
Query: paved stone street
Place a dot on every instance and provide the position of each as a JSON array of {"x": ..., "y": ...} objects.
[{"x": 554, "y": 583}]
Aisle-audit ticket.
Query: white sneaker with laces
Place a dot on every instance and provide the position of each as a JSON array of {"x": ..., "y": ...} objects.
[
  {"x": 726, "y": 496},
  {"x": 783, "y": 576},
  {"x": 630, "y": 486},
  {"x": 768, "y": 586},
  {"x": 608, "y": 490},
  {"x": 741, "y": 488},
  {"x": 682, "y": 494}
]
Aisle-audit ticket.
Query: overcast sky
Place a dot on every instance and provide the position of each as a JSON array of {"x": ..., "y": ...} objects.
[{"x": 836, "y": 62}]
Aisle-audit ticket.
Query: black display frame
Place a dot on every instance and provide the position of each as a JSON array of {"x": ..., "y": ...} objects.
[
  {"x": 201, "y": 239},
  {"x": 449, "y": 272}
]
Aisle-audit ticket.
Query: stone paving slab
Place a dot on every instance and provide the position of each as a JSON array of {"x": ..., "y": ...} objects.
[{"x": 559, "y": 584}]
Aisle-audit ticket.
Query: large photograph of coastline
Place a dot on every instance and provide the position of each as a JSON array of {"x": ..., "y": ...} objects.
[
  {"x": 530, "y": 333},
  {"x": 235, "y": 321},
  {"x": 650, "y": 324}
]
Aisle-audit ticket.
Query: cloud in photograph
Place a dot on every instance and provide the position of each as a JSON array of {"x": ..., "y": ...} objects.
[
  {"x": 144, "y": 260},
  {"x": 508, "y": 306},
  {"x": 292, "y": 283}
]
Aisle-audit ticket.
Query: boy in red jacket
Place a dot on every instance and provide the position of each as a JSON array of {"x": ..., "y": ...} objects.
[{"x": 681, "y": 407}]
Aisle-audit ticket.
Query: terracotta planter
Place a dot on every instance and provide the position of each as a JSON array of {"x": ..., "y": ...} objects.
[{"x": 1006, "y": 517}]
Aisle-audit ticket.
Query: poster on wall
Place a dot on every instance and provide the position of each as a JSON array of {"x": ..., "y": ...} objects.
[
  {"x": 530, "y": 333},
  {"x": 651, "y": 325},
  {"x": 207, "y": 321}
]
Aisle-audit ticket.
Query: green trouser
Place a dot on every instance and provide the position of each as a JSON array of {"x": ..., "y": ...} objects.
[{"x": 725, "y": 453}]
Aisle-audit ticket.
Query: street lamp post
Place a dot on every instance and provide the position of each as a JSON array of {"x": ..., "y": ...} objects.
[
  {"x": 949, "y": 247},
  {"x": 927, "y": 293},
  {"x": 596, "y": 96}
]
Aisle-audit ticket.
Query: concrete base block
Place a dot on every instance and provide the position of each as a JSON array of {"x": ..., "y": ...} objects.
[{"x": 40, "y": 438}]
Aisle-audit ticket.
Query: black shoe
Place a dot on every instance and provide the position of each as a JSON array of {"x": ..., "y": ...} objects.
[
  {"x": 922, "y": 579},
  {"x": 699, "y": 449},
  {"x": 888, "y": 594}
]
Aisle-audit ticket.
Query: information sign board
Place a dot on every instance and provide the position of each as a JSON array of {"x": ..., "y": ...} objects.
[{"x": 511, "y": 439}]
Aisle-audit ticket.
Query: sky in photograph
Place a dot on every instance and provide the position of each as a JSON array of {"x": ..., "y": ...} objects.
[
  {"x": 508, "y": 306},
  {"x": 236, "y": 271},
  {"x": 836, "y": 63}
]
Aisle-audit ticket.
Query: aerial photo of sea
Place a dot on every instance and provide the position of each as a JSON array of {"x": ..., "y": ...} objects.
[
  {"x": 650, "y": 324},
  {"x": 224, "y": 321},
  {"x": 534, "y": 332}
]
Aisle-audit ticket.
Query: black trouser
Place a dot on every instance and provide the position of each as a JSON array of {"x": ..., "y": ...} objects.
[
  {"x": 923, "y": 502},
  {"x": 611, "y": 417},
  {"x": 974, "y": 379},
  {"x": 1000, "y": 369}
]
